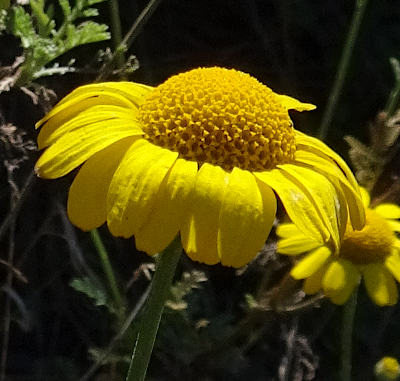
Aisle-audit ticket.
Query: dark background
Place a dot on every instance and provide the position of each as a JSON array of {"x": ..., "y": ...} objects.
[{"x": 294, "y": 47}]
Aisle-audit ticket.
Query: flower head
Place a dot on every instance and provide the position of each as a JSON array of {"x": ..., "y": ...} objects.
[
  {"x": 201, "y": 154},
  {"x": 387, "y": 369},
  {"x": 371, "y": 253}
]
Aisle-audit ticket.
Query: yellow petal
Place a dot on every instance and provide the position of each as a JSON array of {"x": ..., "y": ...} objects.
[
  {"x": 296, "y": 245},
  {"x": 311, "y": 263},
  {"x": 340, "y": 297},
  {"x": 327, "y": 167},
  {"x": 392, "y": 263},
  {"x": 366, "y": 198},
  {"x": 322, "y": 194},
  {"x": 313, "y": 283},
  {"x": 199, "y": 232},
  {"x": 134, "y": 92},
  {"x": 72, "y": 149},
  {"x": 247, "y": 213},
  {"x": 287, "y": 230},
  {"x": 299, "y": 207},
  {"x": 124, "y": 94},
  {"x": 380, "y": 285},
  {"x": 63, "y": 112},
  {"x": 339, "y": 275},
  {"x": 339, "y": 281},
  {"x": 88, "y": 192},
  {"x": 394, "y": 225},
  {"x": 308, "y": 143},
  {"x": 396, "y": 243},
  {"x": 51, "y": 131},
  {"x": 134, "y": 187},
  {"x": 390, "y": 211},
  {"x": 293, "y": 104},
  {"x": 170, "y": 209}
]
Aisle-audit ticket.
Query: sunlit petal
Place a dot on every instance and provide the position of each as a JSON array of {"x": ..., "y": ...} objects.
[
  {"x": 293, "y": 104},
  {"x": 310, "y": 263},
  {"x": 134, "y": 187},
  {"x": 199, "y": 231},
  {"x": 322, "y": 163},
  {"x": 72, "y": 149},
  {"x": 300, "y": 208},
  {"x": 88, "y": 192},
  {"x": 247, "y": 213},
  {"x": 287, "y": 230},
  {"x": 170, "y": 208},
  {"x": 322, "y": 194},
  {"x": 296, "y": 245},
  {"x": 390, "y": 211},
  {"x": 51, "y": 131}
]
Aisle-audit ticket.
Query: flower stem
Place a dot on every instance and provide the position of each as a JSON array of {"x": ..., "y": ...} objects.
[
  {"x": 116, "y": 32},
  {"x": 349, "y": 310},
  {"x": 343, "y": 67},
  {"x": 150, "y": 320},
  {"x": 105, "y": 262}
]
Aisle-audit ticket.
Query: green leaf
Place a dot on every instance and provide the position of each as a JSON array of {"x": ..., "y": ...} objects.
[
  {"x": 92, "y": 2},
  {"x": 20, "y": 24},
  {"x": 43, "y": 22},
  {"x": 42, "y": 43},
  {"x": 66, "y": 7},
  {"x": 92, "y": 289},
  {"x": 85, "y": 33},
  {"x": 90, "y": 12}
]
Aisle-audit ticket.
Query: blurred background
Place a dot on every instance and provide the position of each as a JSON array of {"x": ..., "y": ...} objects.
[{"x": 57, "y": 314}]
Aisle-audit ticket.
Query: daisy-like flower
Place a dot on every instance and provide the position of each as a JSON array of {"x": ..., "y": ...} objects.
[
  {"x": 201, "y": 154},
  {"x": 371, "y": 253}
]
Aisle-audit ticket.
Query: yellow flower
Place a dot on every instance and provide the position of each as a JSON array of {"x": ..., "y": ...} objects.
[
  {"x": 201, "y": 154},
  {"x": 387, "y": 369},
  {"x": 371, "y": 253}
]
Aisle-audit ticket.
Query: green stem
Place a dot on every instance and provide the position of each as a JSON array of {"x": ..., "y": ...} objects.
[
  {"x": 349, "y": 310},
  {"x": 105, "y": 262},
  {"x": 394, "y": 97},
  {"x": 343, "y": 67},
  {"x": 116, "y": 33},
  {"x": 130, "y": 37},
  {"x": 150, "y": 320}
]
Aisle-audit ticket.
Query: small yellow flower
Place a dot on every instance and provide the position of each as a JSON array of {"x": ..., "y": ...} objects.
[
  {"x": 201, "y": 154},
  {"x": 387, "y": 369},
  {"x": 371, "y": 253}
]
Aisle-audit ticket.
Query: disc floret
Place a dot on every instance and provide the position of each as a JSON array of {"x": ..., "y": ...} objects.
[{"x": 219, "y": 116}]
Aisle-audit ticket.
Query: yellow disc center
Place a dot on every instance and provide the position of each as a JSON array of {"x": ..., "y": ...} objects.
[
  {"x": 219, "y": 116},
  {"x": 372, "y": 244}
]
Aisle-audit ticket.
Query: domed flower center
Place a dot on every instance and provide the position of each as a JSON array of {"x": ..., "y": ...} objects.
[
  {"x": 219, "y": 116},
  {"x": 372, "y": 244}
]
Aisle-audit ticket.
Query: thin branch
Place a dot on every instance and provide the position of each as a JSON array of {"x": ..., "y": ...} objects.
[
  {"x": 129, "y": 37},
  {"x": 394, "y": 97},
  {"x": 15, "y": 196},
  {"x": 342, "y": 71},
  {"x": 18, "y": 203},
  {"x": 117, "y": 337}
]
